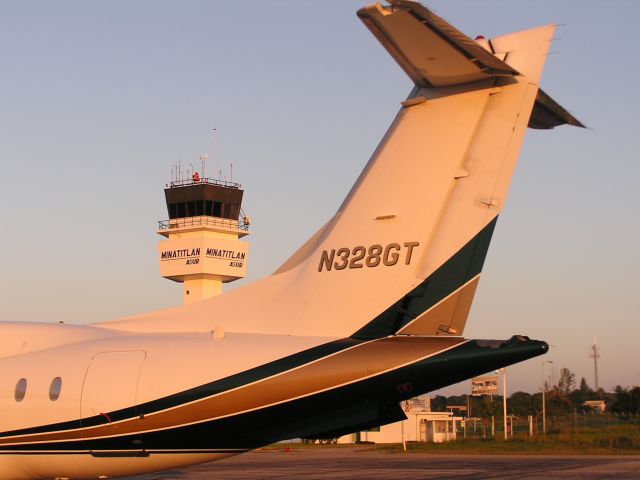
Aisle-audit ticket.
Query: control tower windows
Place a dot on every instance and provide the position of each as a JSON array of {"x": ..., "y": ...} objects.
[
  {"x": 181, "y": 210},
  {"x": 202, "y": 207},
  {"x": 213, "y": 199}
]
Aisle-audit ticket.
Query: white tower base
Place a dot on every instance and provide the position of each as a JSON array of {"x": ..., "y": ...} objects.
[{"x": 200, "y": 288}]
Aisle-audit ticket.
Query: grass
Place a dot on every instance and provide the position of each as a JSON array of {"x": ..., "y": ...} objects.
[
  {"x": 617, "y": 439},
  {"x": 610, "y": 440}
]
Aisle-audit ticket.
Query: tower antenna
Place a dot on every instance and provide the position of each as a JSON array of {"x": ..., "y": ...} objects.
[
  {"x": 203, "y": 160},
  {"x": 595, "y": 354},
  {"x": 215, "y": 149}
]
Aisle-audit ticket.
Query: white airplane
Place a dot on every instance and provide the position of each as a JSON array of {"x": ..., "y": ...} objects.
[{"x": 366, "y": 314}]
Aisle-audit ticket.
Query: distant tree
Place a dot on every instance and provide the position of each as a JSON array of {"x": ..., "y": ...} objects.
[
  {"x": 521, "y": 404},
  {"x": 558, "y": 403},
  {"x": 566, "y": 382},
  {"x": 536, "y": 400},
  {"x": 608, "y": 397},
  {"x": 626, "y": 400},
  {"x": 439, "y": 403},
  {"x": 457, "y": 400},
  {"x": 562, "y": 399},
  {"x": 487, "y": 406},
  {"x": 582, "y": 394},
  {"x": 584, "y": 387}
]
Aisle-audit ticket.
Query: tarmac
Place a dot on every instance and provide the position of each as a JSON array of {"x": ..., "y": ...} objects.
[{"x": 365, "y": 463}]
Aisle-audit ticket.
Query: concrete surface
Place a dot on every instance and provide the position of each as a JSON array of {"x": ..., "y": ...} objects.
[{"x": 363, "y": 463}]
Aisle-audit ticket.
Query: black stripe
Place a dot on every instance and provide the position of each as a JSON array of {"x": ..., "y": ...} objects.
[
  {"x": 148, "y": 452},
  {"x": 339, "y": 408},
  {"x": 202, "y": 391},
  {"x": 451, "y": 275}
]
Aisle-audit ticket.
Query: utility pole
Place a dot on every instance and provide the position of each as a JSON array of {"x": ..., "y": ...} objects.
[{"x": 595, "y": 354}]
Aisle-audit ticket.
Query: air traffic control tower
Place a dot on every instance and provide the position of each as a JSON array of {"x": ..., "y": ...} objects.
[{"x": 202, "y": 249}]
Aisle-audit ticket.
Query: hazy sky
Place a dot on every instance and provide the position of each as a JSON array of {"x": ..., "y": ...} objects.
[{"x": 100, "y": 98}]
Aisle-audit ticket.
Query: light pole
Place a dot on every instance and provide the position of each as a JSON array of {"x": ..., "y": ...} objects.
[
  {"x": 504, "y": 400},
  {"x": 544, "y": 407}
]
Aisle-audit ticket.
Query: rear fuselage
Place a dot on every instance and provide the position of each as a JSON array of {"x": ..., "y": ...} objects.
[{"x": 131, "y": 403}]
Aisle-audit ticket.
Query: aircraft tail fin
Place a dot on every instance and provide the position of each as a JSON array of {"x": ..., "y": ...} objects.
[{"x": 404, "y": 252}]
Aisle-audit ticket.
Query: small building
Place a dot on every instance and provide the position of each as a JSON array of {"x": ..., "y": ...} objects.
[
  {"x": 597, "y": 406},
  {"x": 421, "y": 425},
  {"x": 438, "y": 427}
]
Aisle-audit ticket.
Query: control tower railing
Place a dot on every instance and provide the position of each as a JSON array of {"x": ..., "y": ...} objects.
[
  {"x": 203, "y": 221},
  {"x": 203, "y": 181}
]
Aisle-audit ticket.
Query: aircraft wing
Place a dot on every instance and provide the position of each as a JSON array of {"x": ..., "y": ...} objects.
[{"x": 431, "y": 51}]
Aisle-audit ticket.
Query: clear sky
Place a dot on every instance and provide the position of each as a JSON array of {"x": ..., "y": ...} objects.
[{"x": 98, "y": 99}]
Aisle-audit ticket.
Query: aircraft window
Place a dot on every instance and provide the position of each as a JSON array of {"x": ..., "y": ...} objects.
[
  {"x": 54, "y": 389},
  {"x": 21, "y": 389}
]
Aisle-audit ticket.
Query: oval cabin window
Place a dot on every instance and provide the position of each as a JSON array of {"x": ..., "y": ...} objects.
[
  {"x": 54, "y": 389},
  {"x": 21, "y": 389}
]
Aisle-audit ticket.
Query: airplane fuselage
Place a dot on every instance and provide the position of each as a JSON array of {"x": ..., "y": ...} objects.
[{"x": 131, "y": 403}]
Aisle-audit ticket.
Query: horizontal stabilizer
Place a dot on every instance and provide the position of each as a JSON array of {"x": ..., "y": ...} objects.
[
  {"x": 547, "y": 113},
  {"x": 430, "y": 50}
]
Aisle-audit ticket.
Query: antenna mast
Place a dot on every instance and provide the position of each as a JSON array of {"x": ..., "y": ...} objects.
[
  {"x": 215, "y": 148},
  {"x": 203, "y": 161},
  {"x": 595, "y": 354}
]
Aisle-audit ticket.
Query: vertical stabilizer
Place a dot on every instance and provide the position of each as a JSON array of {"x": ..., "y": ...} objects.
[
  {"x": 429, "y": 196},
  {"x": 404, "y": 252}
]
